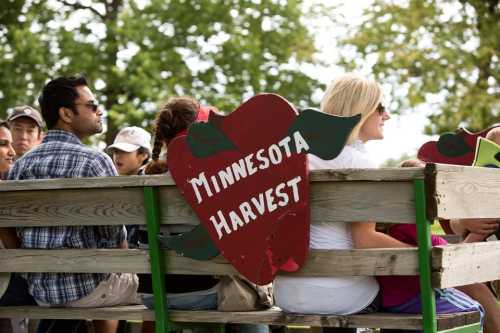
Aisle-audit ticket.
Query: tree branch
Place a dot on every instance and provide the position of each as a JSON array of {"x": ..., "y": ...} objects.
[{"x": 80, "y": 6}]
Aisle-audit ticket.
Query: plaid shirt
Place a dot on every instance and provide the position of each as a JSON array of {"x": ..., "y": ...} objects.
[{"x": 62, "y": 155}]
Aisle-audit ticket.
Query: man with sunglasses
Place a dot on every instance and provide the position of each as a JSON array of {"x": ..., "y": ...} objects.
[{"x": 72, "y": 114}]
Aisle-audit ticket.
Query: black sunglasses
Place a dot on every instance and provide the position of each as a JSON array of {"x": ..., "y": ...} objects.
[
  {"x": 380, "y": 109},
  {"x": 4, "y": 142},
  {"x": 91, "y": 105}
]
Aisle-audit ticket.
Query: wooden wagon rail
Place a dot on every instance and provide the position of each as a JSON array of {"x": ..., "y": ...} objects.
[{"x": 410, "y": 195}]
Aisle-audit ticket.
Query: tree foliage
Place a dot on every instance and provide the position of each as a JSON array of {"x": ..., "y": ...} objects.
[
  {"x": 441, "y": 52},
  {"x": 138, "y": 53}
]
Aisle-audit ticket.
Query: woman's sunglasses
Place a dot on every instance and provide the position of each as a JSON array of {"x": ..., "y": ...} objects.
[{"x": 380, "y": 109}]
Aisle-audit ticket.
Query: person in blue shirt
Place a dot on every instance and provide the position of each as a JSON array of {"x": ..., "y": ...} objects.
[{"x": 72, "y": 114}]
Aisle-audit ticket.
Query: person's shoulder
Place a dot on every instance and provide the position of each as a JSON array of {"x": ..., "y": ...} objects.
[
  {"x": 95, "y": 156},
  {"x": 99, "y": 162},
  {"x": 356, "y": 156},
  {"x": 351, "y": 157}
]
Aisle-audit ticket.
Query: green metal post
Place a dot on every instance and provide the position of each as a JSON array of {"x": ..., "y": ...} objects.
[
  {"x": 427, "y": 296},
  {"x": 157, "y": 259}
]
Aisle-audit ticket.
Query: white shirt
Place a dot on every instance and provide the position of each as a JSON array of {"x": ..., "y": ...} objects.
[{"x": 329, "y": 295}]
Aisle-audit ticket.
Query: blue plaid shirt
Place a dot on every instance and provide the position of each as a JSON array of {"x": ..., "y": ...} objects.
[{"x": 62, "y": 155}]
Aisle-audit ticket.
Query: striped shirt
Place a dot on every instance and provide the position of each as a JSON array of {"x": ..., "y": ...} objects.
[{"x": 62, "y": 155}]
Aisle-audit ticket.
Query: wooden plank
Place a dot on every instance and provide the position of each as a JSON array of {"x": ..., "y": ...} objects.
[
  {"x": 386, "y": 174},
  {"x": 76, "y": 261},
  {"x": 462, "y": 192},
  {"x": 273, "y": 316},
  {"x": 343, "y": 201},
  {"x": 362, "y": 201},
  {"x": 89, "y": 182},
  {"x": 457, "y": 265},
  {"x": 72, "y": 207},
  {"x": 127, "y": 312},
  {"x": 375, "y": 175},
  {"x": 320, "y": 263}
]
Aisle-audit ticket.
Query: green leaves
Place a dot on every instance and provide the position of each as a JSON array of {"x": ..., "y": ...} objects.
[
  {"x": 487, "y": 154},
  {"x": 450, "y": 144},
  {"x": 138, "y": 54},
  {"x": 205, "y": 139},
  {"x": 325, "y": 134},
  {"x": 195, "y": 244},
  {"x": 439, "y": 52}
]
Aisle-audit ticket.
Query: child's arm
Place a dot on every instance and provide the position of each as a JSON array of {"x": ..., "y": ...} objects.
[
  {"x": 478, "y": 226},
  {"x": 473, "y": 237}
]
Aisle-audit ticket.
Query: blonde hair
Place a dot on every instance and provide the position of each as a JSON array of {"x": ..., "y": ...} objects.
[{"x": 349, "y": 95}]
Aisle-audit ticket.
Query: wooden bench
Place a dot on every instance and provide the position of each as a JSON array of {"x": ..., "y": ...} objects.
[{"x": 386, "y": 195}]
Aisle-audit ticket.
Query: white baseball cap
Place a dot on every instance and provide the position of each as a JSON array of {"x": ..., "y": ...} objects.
[{"x": 130, "y": 139}]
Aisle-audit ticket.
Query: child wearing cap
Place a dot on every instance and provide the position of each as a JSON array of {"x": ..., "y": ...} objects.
[{"x": 131, "y": 150}]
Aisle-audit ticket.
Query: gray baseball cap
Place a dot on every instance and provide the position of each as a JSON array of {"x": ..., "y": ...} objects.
[{"x": 26, "y": 111}]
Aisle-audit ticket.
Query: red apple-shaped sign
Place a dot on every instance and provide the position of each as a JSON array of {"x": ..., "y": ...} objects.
[{"x": 247, "y": 181}]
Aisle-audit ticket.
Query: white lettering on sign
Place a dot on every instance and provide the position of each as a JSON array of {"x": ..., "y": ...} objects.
[
  {"x": 196, "y": 182},
  {"x": 247, "y": 166},
  {"x": 265, "y": 202}
]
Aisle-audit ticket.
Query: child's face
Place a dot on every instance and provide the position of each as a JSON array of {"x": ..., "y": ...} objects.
[{"x": 128, "y": 163}]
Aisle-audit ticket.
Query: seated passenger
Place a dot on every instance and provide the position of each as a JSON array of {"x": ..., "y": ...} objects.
[
  {"x": 131, "y": 150},
  {"x": 13, "y": 288},
  {"x": 72, "y": 114},
  {"x": 346, "y": 96},
  {"x": 183, "y": 291},
  {"x": 401, "y": 294}
]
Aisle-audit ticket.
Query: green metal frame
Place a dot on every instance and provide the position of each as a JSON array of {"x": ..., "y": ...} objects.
[
  {"x": 158, "y": 269},
  {"x": 427, "y": 294}
]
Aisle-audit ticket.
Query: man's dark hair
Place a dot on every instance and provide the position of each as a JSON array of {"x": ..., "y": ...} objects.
[
  {"x": 60, "y": 92},
  {"x": 5, "y": 124}
]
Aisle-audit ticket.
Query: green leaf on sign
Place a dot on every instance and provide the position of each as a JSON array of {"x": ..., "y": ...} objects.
[
  {"x": 487, "y": 154},
  {"x": 194, "y": 244},
  {"x": 205, "y": 139},
  {"x": 325, "y": 134},
  {"x": 453, "y": 145}
]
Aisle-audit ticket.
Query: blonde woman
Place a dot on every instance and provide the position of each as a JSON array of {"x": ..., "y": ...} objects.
[{"x": 346, "y": 96}]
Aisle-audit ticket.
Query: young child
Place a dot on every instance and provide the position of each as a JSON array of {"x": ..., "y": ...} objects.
[
  {"x": 186, "y": 292},
  {"x": 401, "y": 294},
  {"x": 477, "y": 230},
  {"x": 131, "y": 150}
]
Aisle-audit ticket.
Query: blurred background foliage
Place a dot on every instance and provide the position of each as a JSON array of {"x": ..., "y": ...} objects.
[
  {"x": 139, "y": 53},
  {"x": 443, "y": 52}
]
